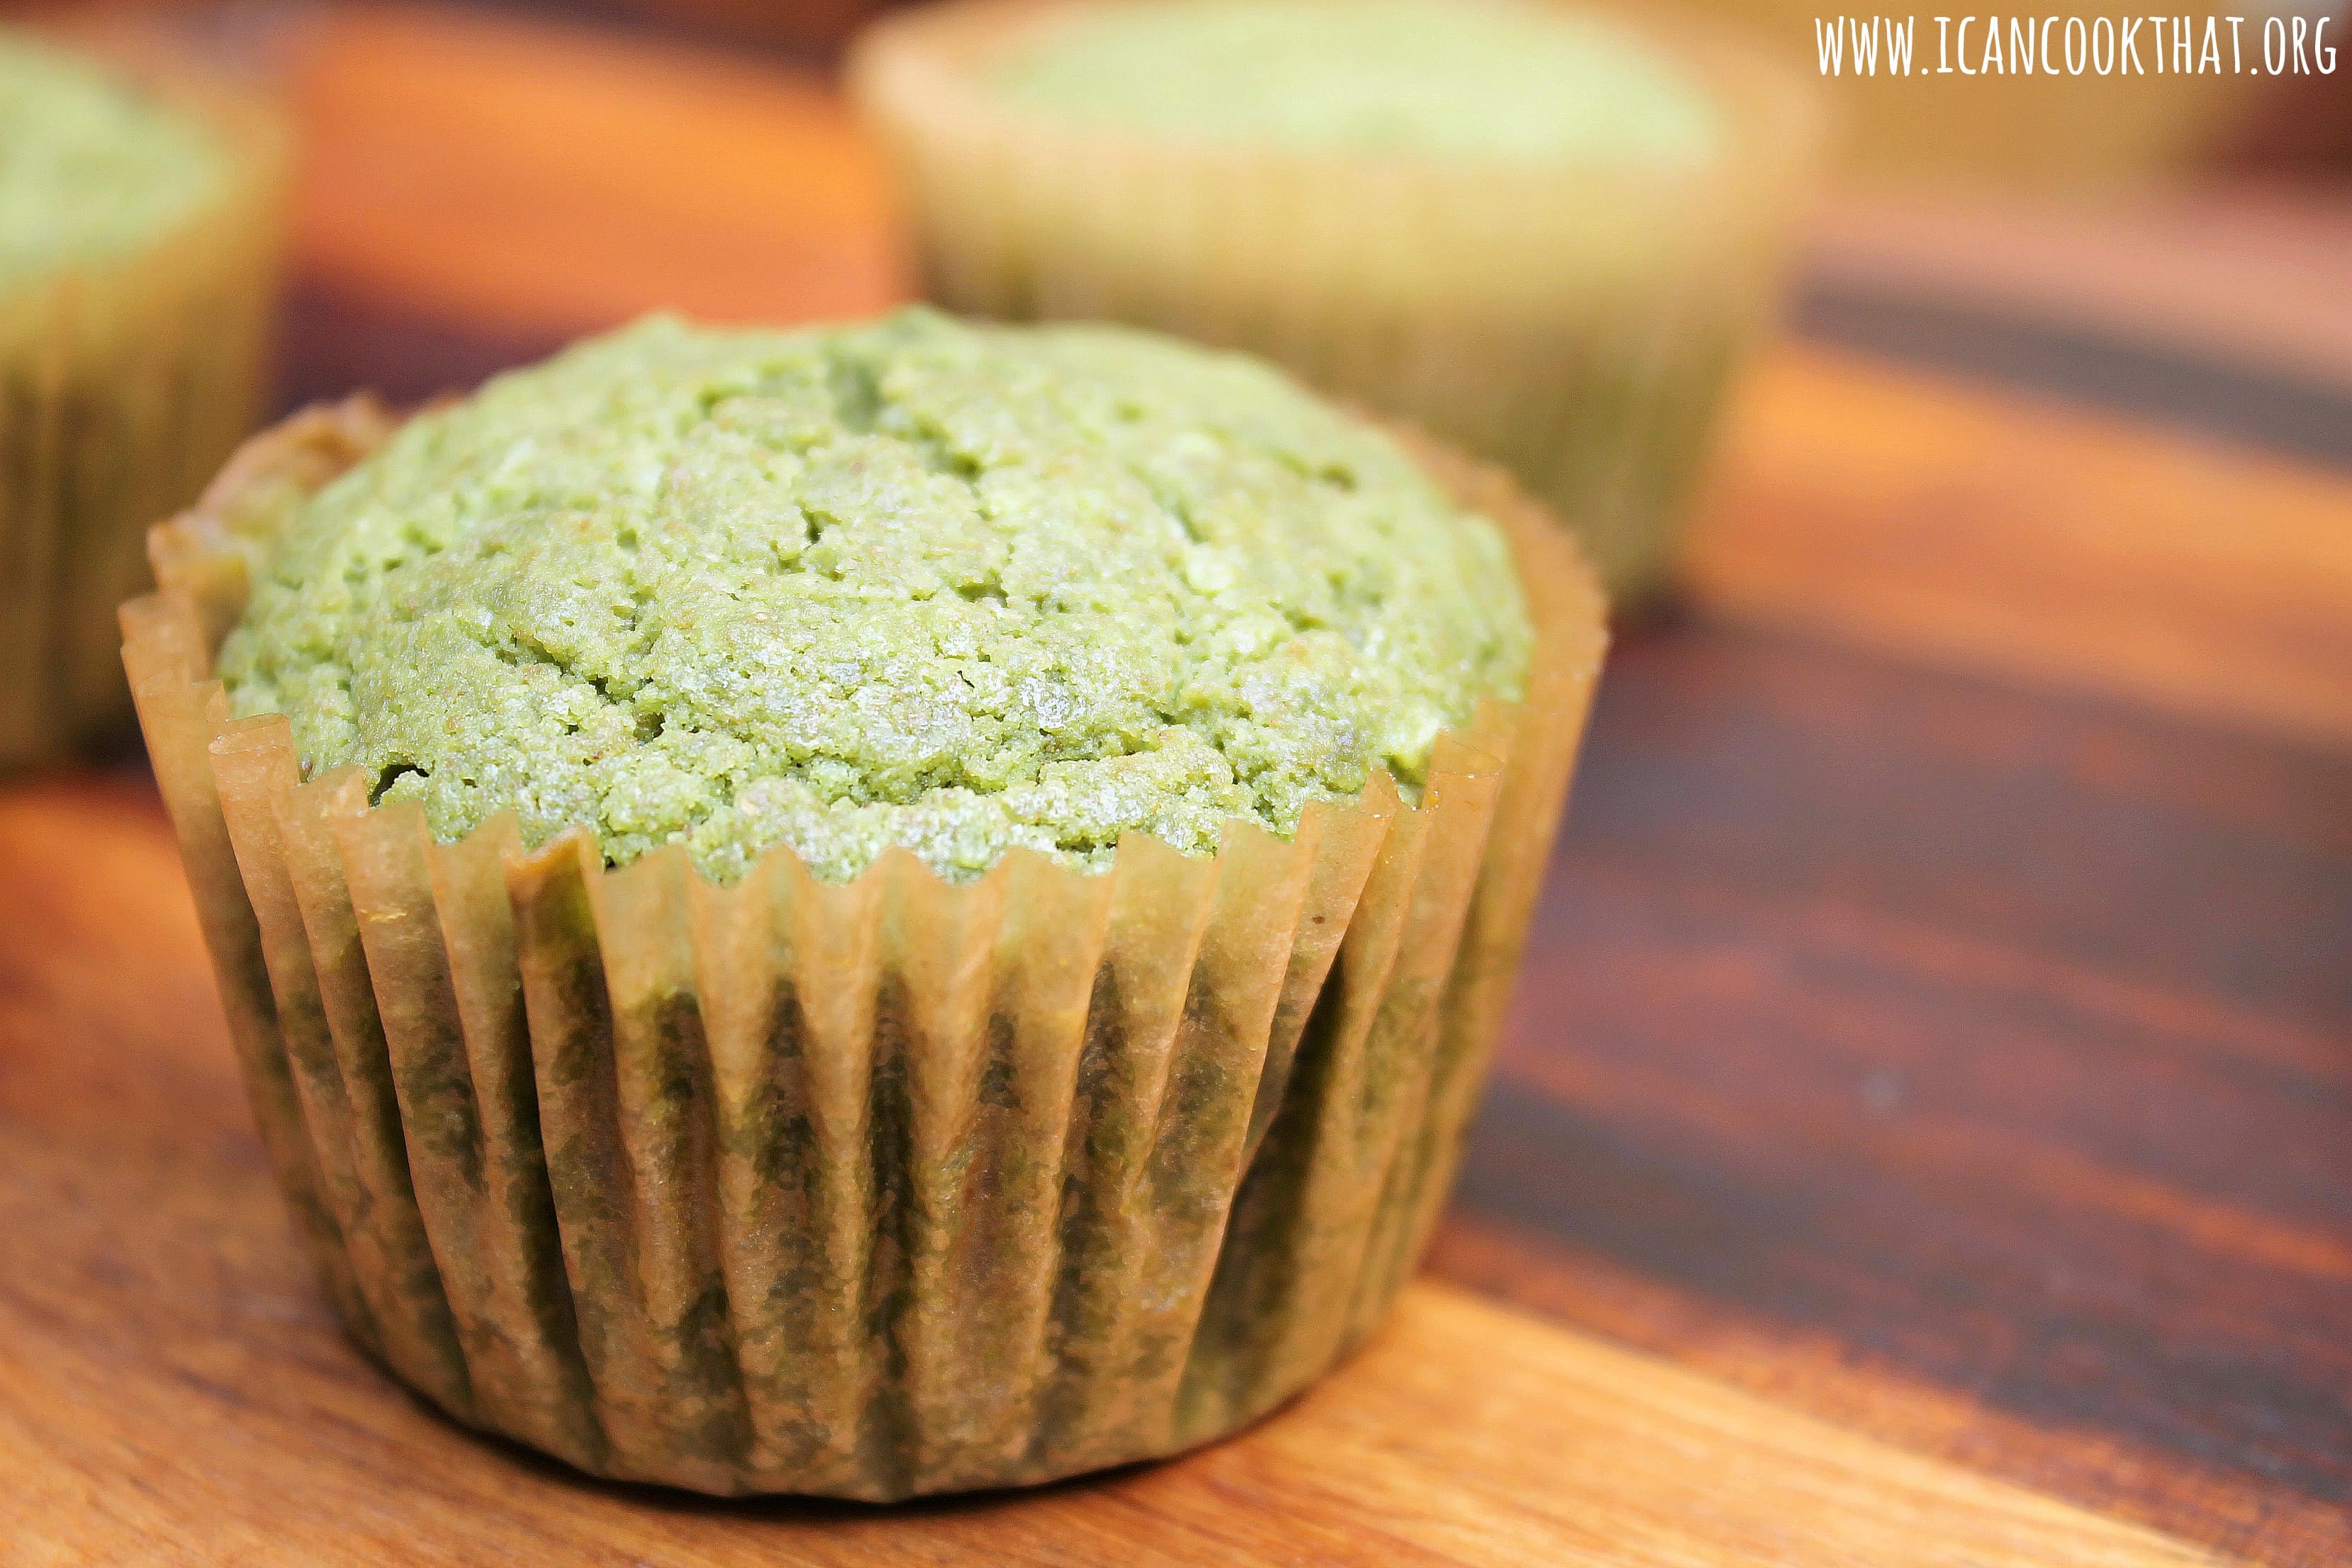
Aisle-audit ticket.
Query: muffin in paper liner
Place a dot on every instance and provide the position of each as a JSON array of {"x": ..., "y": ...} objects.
[
  {"x": 870, "y": 1189},
  {"x": 123, "y": 384},
  {"x": 1577, "y": 322}
]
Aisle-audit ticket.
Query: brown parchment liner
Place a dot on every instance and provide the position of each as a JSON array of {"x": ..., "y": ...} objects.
[
  {"x": 1577, "y": 322},
  {"x": 123, "y": 386},
  {"x": 870, "y": 1189}
]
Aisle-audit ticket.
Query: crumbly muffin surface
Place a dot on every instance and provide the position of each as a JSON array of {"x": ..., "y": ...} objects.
[
  {"x": 913, "y": 582},
  {"x": 1474, "y": 78},
  {"x": 90, "y": 166}
]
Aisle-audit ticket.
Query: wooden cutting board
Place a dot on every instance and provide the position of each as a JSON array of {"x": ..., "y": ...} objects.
[{"x": 1925, "y": 1135}]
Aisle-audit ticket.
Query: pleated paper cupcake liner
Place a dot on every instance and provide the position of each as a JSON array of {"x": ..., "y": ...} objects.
[
  {"x": 870, "y": 1189},
  {"x": 122, "y": 387},
  {"x": 1579, "y": 324}
]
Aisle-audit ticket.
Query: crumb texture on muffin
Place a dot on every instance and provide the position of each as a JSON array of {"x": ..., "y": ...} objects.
[
  {"x": 90, "y": 167},
  {"x": 1447, "y": 78},
  {"x": 911, "y": 582}
]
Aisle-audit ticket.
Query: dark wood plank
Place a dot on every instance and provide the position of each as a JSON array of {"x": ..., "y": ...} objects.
[
  {"x": 332, "y": 342},
  {"x": 2001, "y": 1044},
  {"x": 2197, "y": 860}
]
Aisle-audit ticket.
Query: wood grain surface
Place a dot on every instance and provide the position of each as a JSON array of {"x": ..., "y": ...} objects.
[
  {"x": 2256, "y": 270},
  {"x": 1924, "y": 1133},
  {"x": 2038, "y": 541}
]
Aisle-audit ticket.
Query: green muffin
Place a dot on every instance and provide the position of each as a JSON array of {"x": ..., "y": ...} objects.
[
  {"x": 91, "y": 169},
  {"x": 919, "y": 583},
  {"x": 137, "y": 239},
  {"x": 871, "y": 911},
  {"x": 1546, "y": 234}
]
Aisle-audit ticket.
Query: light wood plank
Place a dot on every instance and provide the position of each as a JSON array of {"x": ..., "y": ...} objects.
[
  {"x": 525, "y": 177},
  {"x": 2245, "y": 273},
  {"x": 2035, "y": 540},
  {"x": 1468, "y": 1434}
]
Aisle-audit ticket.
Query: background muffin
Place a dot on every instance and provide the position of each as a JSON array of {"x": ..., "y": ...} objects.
[
  {"x": 973, "y": 870},
  {"x": 138, "y": 235},
  {"x": 1527, "y": 228}
]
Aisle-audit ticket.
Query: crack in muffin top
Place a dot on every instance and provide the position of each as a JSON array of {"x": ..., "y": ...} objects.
[{"x": 914, "y": 582}]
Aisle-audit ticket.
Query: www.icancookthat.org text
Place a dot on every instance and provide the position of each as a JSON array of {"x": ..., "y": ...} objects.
[{"x": 2076, "y": 46}]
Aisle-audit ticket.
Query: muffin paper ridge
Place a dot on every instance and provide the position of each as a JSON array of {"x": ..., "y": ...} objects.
[
  {"x": 1578, "y": 324},
  {"x": 123, "y": 384},
  {"x": 867, "y": 1189}
]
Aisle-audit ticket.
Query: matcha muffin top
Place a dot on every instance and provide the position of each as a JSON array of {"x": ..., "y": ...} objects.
[
  {"x": 914, "y": 582},
  {"x": 1442, "y": 78},
  {"x": 90, "y": 167}
]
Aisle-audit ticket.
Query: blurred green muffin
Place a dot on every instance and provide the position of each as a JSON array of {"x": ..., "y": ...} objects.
[
  {"x": 1529, "y": 230},
  {"x": 137, "y": 237}
]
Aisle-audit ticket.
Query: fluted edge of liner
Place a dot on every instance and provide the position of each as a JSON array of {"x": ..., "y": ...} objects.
[{"x": 871, "y": 1189}]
